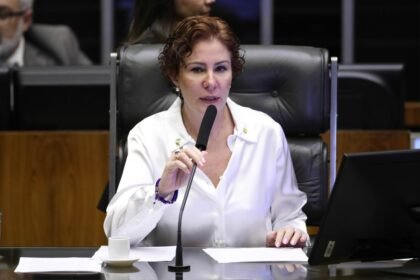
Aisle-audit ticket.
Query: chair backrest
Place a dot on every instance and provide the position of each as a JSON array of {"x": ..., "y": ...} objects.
[{"x": 289, "y": 83}]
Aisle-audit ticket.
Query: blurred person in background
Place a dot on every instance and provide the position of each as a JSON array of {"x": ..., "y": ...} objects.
[
  {"x": 154, "y": 20},
  {"x": 25, "y": 44}
]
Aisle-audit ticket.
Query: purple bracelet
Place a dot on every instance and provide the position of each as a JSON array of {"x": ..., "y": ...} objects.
[{"x": 161, "y": 198}]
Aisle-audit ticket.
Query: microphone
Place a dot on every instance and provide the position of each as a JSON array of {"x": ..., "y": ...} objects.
[
  {"x": 201, "y": 144},
  {"x": 205, "y": 128}
]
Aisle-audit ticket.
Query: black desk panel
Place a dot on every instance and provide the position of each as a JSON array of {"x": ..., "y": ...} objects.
[{"x": 62, "y": 98}]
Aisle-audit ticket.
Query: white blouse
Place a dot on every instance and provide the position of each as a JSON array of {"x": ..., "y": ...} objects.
[{"x": 256, "y": 194}]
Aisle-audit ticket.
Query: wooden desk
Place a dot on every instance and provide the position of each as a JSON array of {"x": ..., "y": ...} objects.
[
  {"x": 355, "y": 141},
  {"x": 204, "y": 267},
  {"x": 50, "y": 183},
  {"x": 412, "y": 114}
]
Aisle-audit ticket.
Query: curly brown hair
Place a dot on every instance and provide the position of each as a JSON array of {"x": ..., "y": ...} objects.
[{"x": 188, "y": 33}]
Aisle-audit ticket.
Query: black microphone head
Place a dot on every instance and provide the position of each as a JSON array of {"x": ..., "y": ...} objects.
[{"x": 205, "y": 127}]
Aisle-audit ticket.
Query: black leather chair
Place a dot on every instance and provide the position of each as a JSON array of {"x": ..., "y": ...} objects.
[{"x": 289, "y": 83}]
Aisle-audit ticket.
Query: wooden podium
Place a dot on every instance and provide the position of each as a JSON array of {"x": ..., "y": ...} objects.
[{"x": 50, "y": 183}]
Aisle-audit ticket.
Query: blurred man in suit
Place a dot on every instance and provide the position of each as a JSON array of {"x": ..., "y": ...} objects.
[{"x": 25, "y": 44}]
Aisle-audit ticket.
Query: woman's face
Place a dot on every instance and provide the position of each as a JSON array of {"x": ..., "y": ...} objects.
[
  {"x": 186, "y": 8},
  {"x": 205, "y": 77}
]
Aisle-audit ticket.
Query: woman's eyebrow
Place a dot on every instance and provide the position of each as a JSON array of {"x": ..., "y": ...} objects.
[{"x": 204, "y": 64}]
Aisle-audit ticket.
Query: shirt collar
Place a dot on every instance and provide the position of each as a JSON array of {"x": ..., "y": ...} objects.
[
  {"x": 17, "y": 56},
  {"x": 243, "y": 128},
  {"x": 183, "y": 138}
]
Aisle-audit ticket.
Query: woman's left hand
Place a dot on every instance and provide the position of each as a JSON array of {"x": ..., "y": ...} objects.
[{"x": 286, "y": 237}]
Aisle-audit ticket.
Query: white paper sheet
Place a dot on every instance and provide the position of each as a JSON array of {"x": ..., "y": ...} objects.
[
  {"x": 28, "y": 265},
  {"x": 144, "y": 254},
  {"x": 263, "y": 254}
]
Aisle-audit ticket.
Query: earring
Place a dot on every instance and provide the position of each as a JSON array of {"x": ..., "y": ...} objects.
[{"x": 178, "y": 93}]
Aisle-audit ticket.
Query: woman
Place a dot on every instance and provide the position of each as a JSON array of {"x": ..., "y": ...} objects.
[
  {"x": 153, "y": 20},
  {"x": 244, "y": 192}
]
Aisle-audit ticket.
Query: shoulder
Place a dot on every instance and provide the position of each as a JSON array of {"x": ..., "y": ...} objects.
[
  {"x": 257, "y": 126},
  {"x": 59, "y": 42},
  {"x": 151, "y": 37},
  {"x": 50, "y": 34},
  {"x": 160, "y": 123},
  {"x": 154, "y": 122},
  {"x": 33, "y": 55},
  {"x": 44, "y": 29}
]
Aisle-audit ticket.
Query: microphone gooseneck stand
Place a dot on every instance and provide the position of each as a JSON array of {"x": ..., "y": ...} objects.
[
  {"x": 179, "y": 266},
  {"x": 201, "y": 144}
]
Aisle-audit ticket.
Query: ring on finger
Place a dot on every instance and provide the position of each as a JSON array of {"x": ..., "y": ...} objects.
[{"x": 176, "y": 153}]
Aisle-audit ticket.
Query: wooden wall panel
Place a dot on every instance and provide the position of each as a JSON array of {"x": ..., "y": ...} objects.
[
  {"x": 412, "y": 114},
  {"x": 356, "y": 141},
  {"x": 50, "y": 183}
]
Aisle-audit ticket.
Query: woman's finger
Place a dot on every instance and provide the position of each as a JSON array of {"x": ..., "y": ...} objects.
[
  {"x": 279, "y": 237},
  {"x": 270, "y": 239}
]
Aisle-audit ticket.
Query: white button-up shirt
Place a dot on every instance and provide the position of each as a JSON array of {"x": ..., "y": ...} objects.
[
  {"x": 256, "y": 194},
  {"x": 17, "y": 56}
]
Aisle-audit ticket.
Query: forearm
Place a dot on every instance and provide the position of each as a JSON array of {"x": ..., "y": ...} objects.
[
  {"x": 297, "y": 221},
  {"x": 133, "y": 214}
]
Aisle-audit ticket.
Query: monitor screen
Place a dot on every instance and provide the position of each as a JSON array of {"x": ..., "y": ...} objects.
[
  {"x": 371, "y": 96},
  {"x": 373, "y": 212},
  {"x": 5, "y": 93},
  {"x": 415, "y": 140},
  {"x": 62, "y": 98}
]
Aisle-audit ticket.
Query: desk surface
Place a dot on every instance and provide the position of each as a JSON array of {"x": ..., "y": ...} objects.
[{"x": 202, "y": 267}]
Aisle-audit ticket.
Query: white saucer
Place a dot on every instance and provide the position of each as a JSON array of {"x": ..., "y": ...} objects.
[{"x": 121, "y": 263}]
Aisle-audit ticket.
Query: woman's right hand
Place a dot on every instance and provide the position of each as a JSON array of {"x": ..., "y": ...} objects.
[{"x": 178, "y": 167}]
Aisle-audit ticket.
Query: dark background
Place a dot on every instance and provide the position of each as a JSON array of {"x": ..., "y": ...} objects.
[{"x": 386, "y": 31}]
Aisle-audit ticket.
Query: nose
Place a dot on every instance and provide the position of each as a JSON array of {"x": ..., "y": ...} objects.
[{"x": 209, "y": 82}]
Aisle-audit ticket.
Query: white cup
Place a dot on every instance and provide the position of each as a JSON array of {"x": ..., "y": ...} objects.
[{"x": 118, "y": 248}]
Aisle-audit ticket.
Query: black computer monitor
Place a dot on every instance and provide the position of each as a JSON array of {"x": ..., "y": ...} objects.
[
  {"x": 62, "y": 98},
  {"x": 371, "y": 96},
  {"x": 373, "y": 212}
]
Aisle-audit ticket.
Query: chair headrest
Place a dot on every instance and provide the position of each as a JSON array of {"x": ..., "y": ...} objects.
[{"x": 289, "y": 83}]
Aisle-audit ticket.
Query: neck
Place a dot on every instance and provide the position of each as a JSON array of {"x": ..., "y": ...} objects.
[{"x": 223, "y": 124}]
